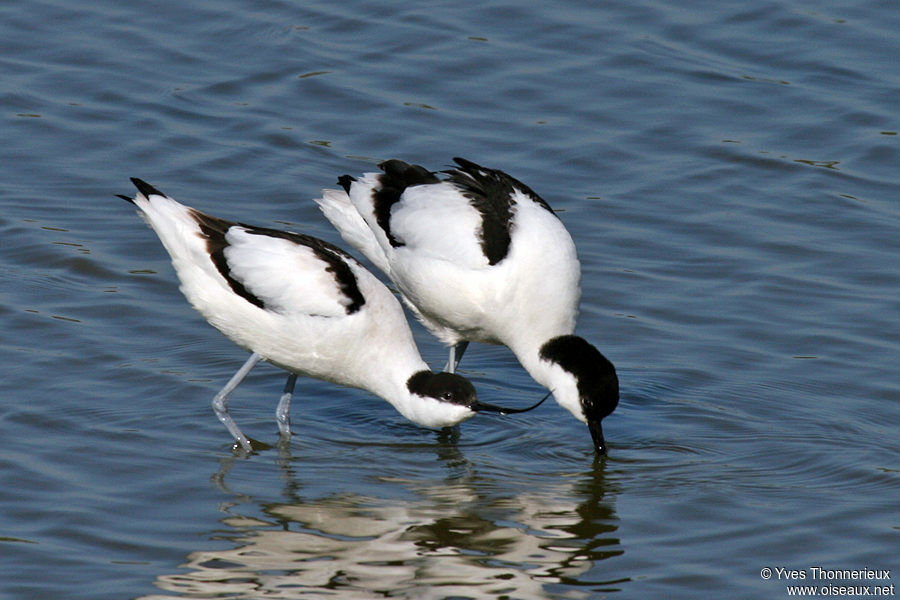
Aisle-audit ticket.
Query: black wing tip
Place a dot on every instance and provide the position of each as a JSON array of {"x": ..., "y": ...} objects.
[
  {"x": 145, "y": 188},
  {"x": 126, "y": 198},
  {"x": 345, "y": 181},
  {"x": 466, "y": 164},
  {"x": 462, "y": 167}
]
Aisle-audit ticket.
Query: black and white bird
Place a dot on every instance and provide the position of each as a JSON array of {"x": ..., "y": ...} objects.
[
  {"x": 480, "y": 257},
  {"x": 306, "y": 306}
]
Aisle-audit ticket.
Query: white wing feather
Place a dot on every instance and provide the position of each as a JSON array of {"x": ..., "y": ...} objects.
[
  {"x": 437, "y": 222},
  {"x": 288, "y": 277},
  {"x": 346, "y": 218}
]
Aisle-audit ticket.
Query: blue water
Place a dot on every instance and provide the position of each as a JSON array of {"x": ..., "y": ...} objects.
[{"x": 729, "y": 172}]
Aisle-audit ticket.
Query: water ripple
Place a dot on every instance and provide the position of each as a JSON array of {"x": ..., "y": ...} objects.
[{"x": 729, "y": 176}]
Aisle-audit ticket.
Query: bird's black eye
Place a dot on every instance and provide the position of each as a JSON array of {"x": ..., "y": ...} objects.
[{"x": 448, "y": 396}]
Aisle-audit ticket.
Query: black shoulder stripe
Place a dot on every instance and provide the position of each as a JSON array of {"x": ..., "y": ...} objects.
[
  {"x": 214, "y": 229},
  {"x": 490, "y": 192},
  {"x": 397, "y": 176},
  {"x": 492, "y": 196},
  {"x": 343, "y": 274},
  {"x": 328, "y": 253},
  {"x": 469, "y": 166}
]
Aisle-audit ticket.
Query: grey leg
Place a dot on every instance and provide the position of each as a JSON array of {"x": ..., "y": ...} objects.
[
  {"x": 456, "y": 353},
  {"x": 283, "y": 412},
  {"x": 220, "y": 402}
]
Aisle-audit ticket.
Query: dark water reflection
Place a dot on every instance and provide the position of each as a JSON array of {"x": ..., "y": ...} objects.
[{"x": 455, "y": 537}]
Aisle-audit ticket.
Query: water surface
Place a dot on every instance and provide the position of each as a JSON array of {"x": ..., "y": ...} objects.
[{"x": 728, "y": 172}]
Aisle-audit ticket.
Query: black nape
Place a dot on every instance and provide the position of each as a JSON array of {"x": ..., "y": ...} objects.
[
  {"x": 595, "y": 375},
  {"x": 444, "y": 387}
]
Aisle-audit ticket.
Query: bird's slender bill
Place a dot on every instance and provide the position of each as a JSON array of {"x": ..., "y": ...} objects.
[
  {"x": 479, "y": 406},
  {"x": 597, "y": 436}
]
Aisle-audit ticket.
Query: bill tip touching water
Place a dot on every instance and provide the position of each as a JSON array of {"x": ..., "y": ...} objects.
[
  {"x": 306, "y": 306},
  {"x": 478, "y": 256}
]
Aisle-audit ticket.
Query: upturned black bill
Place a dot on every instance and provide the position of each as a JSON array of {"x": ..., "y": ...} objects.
[{"x": 479, "y": 406}]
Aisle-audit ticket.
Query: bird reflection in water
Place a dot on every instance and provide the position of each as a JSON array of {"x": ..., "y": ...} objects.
[{"x": 468, "y": 535}]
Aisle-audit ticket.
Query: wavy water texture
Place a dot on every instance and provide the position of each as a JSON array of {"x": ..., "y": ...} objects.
[{"x": 728, "y": 173}]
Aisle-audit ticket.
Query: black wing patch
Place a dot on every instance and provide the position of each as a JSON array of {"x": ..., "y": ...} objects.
[
  {"x": 397, "y": 176},
  {"x": 490, "y": 192},
  {"x": 214, "y": 230},
  {"x": 329, "y": 253}
]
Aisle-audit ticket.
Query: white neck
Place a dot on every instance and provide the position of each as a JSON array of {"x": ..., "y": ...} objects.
[
  {"x": 428, "y": 412},
  {"x": 390, "y": 384},
  {"x": 553, "y": 377}
]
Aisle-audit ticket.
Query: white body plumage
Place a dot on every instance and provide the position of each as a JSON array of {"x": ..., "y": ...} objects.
[
  {"x": 305, "y": 306},
  {"x": 478, "y": 256}
]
